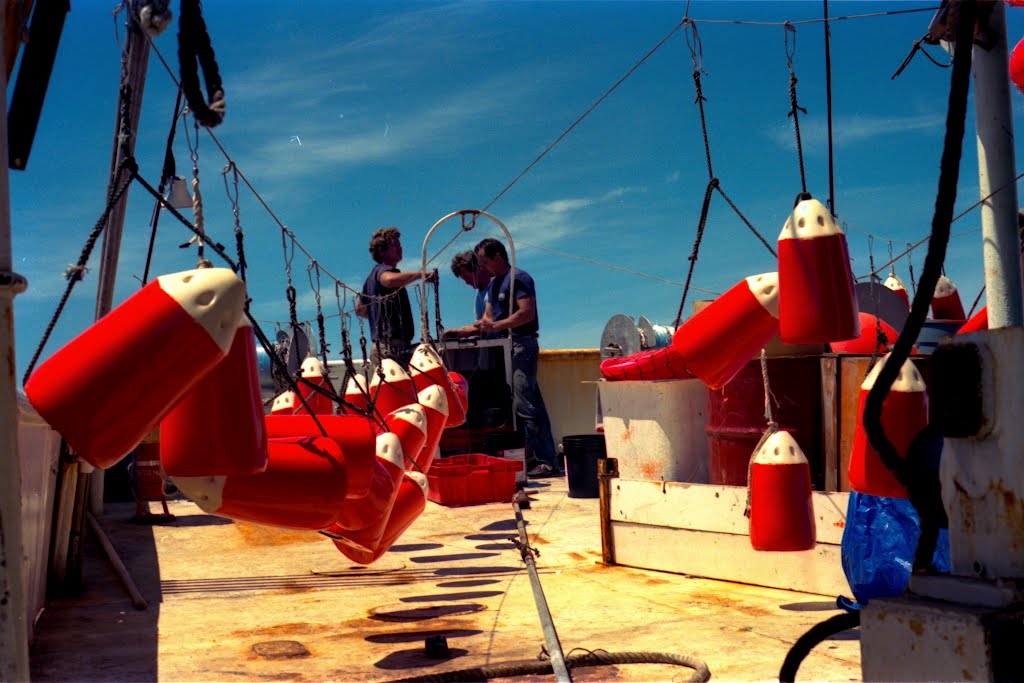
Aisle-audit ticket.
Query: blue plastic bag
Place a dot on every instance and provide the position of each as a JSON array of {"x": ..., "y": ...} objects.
[{"x": 878, "y": 546}]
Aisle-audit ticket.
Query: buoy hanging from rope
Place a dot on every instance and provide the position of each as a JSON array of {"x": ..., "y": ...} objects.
[
  {"x": 653, "y": 364},
  {"x": 314, "y": 372},
  {"x": 868, "y": 342},
  {"x": 461, "y": 386},
  {"x": 718, "y": 341},
  {"x": 435, "y": 407},
  {"x": 894, "y": 283},
  {"x": 781, "y": 507},
  {"x": 303, "y": 487},
  {"x": 357, "y": 394},
  {"x": 391, "y": 387},
  {"x": 817, "y": 304},
  {"x": 409, "y": 505},
  {"x": 904, "y": 415},
  {"x": 355, "y": 434},
  {"x": 217, "y": 428},
  {"x": 946, "y": 303},
  {"x": 1017, "y": 66},
  {"x": 361, "y": 521},
  {"x": 427, "y": 369},
  {"x": 409, "y": 424},
  {"x": 978, "y": 321},
  {"x": 110, "y": 386}
]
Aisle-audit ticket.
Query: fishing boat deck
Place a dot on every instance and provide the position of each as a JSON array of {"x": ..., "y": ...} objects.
[{"x": 220, "y": 593}]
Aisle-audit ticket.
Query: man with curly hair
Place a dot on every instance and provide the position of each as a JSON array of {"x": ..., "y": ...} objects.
[
  {"x": 384, "y": 300},
  {"x": 467, "y": 268}
]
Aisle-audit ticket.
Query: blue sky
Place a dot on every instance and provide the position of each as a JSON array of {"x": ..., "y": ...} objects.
[{"x": 351, "y": 116}]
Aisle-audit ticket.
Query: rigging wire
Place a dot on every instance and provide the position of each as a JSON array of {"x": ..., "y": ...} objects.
[{"x": 745, "y": 22}]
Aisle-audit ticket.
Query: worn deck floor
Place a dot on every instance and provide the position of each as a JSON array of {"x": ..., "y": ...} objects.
[{"x": 218, "y": 591}]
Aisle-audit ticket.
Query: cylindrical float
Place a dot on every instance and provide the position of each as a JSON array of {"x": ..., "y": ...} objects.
[
  {"x": 426, "y": 369},
  {"x": 435, "y": 407},
  {"x": 391, "y": 387},
  {"x": 720, "y": 339},
  {"x": 978, "y": 321},
  {"x": 313, "y": 371},
  {"x": 217, "y": 427},
  {"x": 946, "y": 303},
  {"x": 894, "y": 283},
  {"x": 409, "y": 424},
  {"x": 461, "y": 386},
  {"x": 356, "y": 434},
  {"x": 781, "y": 509},
  {"x": 110, "y": 386},
  {"x": 868, "y": 342},
  {"x": 286, "y": 403},
  {"x": 664, "y": 363},
  {"x": 817, "y": 303},
  {"x": 303, "y": 486},
  {"x": 904, "y": 415},
  {"x": 357, "y": 395},
  {"x": 409, "y": 505},
  {"x": 1017, "y": 65}
]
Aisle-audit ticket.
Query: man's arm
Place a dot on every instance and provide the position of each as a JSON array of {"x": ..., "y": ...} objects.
[
  {"x": 362, "y": 310},
  {"x": 393, "y": 280},
  {"x": 527, "y": 312}
]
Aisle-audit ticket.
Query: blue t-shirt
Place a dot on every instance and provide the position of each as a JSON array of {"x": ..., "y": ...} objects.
[
  {"x": 481, "y": 300},
  {"x": 524, "y": 288},
  {"x": 390, "y": 319}
]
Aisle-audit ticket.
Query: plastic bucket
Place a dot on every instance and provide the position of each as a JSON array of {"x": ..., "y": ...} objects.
[
  {"x": 509, "y": 445},
  {"x": 736, "y": 420},
  {"x": 582, "y": 452}
]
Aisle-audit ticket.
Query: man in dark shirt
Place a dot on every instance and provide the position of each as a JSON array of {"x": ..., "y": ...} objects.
[
  {"x": 512, "y": 307},
  {"x": 385, "y": 301},
  {"x": 466, "y": 267}
]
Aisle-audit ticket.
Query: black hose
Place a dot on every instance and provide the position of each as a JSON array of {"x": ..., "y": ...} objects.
[
  {"x": 701, "y": 673},
  {"x": 818, "y": 633}
]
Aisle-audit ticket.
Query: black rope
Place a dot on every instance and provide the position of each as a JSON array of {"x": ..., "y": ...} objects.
[
  {"x": 910, "y": 268},
  {"x": 743, "y": 218},
  {"x": 976, "y": 300},
  {"x": 923, "y": 488},
  {"x": 194, "y": 45},
  {"x": 319, "y": 312},
  {"x": 815, "y": 636},
  {"x": 75, "y": 273},
  {"x": 703, "y": 121},
  {"x": 166, "y": 174},
  {"x": 915, "y": 48},
  {"x": 712, "y": 184},
  {"x": 794, "y": 108},
  {"x": 232, "y": 192},
  {"x": 828, "y": 105}
]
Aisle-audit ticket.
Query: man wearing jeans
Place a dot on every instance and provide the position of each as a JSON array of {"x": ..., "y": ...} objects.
[{"x": 512, "y": 306}]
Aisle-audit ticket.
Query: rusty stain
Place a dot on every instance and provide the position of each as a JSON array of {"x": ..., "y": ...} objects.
[
  {"x": 280, "y": 649},
  {"x": 966, "y": 675},
  {"x": 576, "y": 556},
  {"x": 539, "y": 540},
  {"x": 720, "y": 601},
  {"x": 649, "y": 470},
  {"x": 289, "y": 629},
  {"x": 916, "y": 626},
  {"x": 258, "y": 534},
  {"x": 959, "y": 647},
  {"x": 841, "y": 524},
  {"x": 627, "y": 434}
]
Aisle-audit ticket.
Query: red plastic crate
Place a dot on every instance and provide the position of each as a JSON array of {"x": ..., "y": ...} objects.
[{"x": 472, "y": 479}]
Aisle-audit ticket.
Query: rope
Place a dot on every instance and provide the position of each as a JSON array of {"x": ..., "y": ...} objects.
[
  {"x": 166, "y": 174},
  {"x": 194, "y": 45},
  {"x": 828, "y": 105},
  {"x": 743, "y": 218},
  {"x": 232, "y": 193},
  {"x": 880, "y": 336},
  {"x": 794, "y": 108},
  {"x": 816, "y": 635},
  {"x": 696, "y": 248},
  {"x": 772, "y": 428}
]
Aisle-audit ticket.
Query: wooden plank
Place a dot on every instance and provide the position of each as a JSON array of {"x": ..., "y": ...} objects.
[
  {"x": 829, "y": 423},
  {"x": 710, "y": 507},
  {"x": 729, "y": 557},
  {"x": 852, "y": 370}
]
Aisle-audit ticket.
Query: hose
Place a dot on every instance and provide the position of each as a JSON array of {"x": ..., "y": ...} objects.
[
  {"x": 807, "y": 642},
  {"x": 701, "y": 673}
]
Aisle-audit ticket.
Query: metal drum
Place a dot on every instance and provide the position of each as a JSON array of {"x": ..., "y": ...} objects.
[
  {"x": 654, "y": 336},
  {"x": 736, "y": 419},
  {"x": 620, "y": 337}
]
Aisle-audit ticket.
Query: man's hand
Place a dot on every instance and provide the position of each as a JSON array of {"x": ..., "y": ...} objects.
[
  {"x": 430, "y": 276},
  {"x": 484, "y": 326}
]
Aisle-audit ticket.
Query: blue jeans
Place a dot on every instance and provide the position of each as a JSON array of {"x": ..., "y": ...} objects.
[{"x": 529, "y": 404}]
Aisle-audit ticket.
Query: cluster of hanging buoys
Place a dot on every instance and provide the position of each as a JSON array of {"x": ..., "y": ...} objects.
[{"x": 184, "y": 339}]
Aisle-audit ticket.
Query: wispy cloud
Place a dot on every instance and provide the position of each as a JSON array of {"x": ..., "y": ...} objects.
[
  {"x": 847, "y": 130},
  {"x": 548, "y": 222}
]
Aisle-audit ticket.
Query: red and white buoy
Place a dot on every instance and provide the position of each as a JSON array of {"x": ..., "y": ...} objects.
[
  {"x": 435, "y": 407},
  {"x": 355, "y": 434},
  {"x": 110, "y": 386},
  {"x": 781, "y": 508},
  {"x": 946, "y": 303},
  {"x": 904, "y": 415},
  {"x": 217, "y": 427},
  {"x": 894, "y": 283},
  {"x": 868, "y": 342},
  {"x": 391, "y": 387},
  {"x": 978, "y": 321},
  {"x": 409, "y": 505},
  {"x": 409, "y": 424},
  {"x": 314, "y": 372},
  {"x": 303, "y": 487},
  {"x": 652, "y": 364},
  {"x": 718, "y": 341},
  {"x": 817, "y": 304},
  {"x": 357, "y": 394},
  {"x": 427, "y": 369}
]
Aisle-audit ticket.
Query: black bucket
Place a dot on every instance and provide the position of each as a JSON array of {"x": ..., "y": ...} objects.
[{"x": 582, "y": 452}]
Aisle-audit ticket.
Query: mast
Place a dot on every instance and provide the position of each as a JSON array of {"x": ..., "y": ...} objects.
[{"x": 13, "y": 620}]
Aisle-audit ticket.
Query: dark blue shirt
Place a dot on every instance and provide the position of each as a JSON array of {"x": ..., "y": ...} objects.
[
  {"x": 524, "y": 287},
  {"x": 390, "y": 319}
]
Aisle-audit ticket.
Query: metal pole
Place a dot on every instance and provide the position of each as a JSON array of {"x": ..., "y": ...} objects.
[
  {"x": 996, "y": 171},
  {"x": 137, "y": 56},
  {"x": 13, "y": 620},
  {"x": 547, "y": 624}
]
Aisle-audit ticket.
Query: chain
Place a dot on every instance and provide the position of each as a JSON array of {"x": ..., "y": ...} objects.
[{"x": 319, "y": 312}]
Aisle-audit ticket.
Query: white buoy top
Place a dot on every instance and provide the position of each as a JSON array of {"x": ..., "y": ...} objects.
[
  {"x": 356, "y": 385},
  {"x": 425, "y": 358},
  {"x": 214, "y": 297},
  {"x": 808, "y": 220},
  {"x": 312, "y": 368},
  {"x": 765, "y": 288},
  {"x": 908, "y": 381},
  {"x": 893, "y": 282},
  {"x": 389, "y": 449},
  {"x": 780, "y": 449},
  {"x": 393, "y": 373},
  {"x": 421, "y": 481},
  {"x": 944, "y": 287},
  {"x": 286, "y": 400},
  {"x": 435, "y": 398},
  {"x": 413, "y": 414},
  {"x": 206, "y": 492}
]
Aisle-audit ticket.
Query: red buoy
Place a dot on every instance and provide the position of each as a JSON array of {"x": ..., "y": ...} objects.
[
  {"x": 357, "y": 394},
  {"x": 217, "y": 427},
  {"x": 391, "y": 387},
  {"x": 817, "y": 304},
  {"x": 904, "y": 415},
  {"x": 461, "y": 386},
  {"x": 314, "y": 372},
  {"x": 111, "y": 385},
  {"x": 426, "y": 369},
  {"x": 355, "y": 434},
  {"x": 409, "y": 424},
  {"x": 978, "y": 321},
  {"x": 719, "y": 340},
  {"x": 1017, "y": 66},
  {"x": 868, "y": 342},
  {"x": 409, "y": 505},
  {"x": 652, "y": 364},
  {"x": 895, "y": 284},
  {"x": 303, "y": 487},
  {"x": 781, "y": 508},
  {"x": 435, "y": 407},
  {"x": 946, "y": 303}
]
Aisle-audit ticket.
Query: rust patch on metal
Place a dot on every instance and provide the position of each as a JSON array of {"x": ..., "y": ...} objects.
[
  {"x": 259, "y": 534},
  {"x": 650, "y": 470},
  {"x": 290, "y": 629},
  {"x": 579, "y": 557},
  {"x": 281, "y": 649},
  {"x": 720, "y": 601},
  {"x": 916, "y": 626}
]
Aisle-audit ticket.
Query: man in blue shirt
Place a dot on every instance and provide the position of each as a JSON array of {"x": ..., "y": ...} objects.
[
  {"x": 466, "y": 267},
  {"x": 512, "y": 307},
  {"x": 384, "y": 300}
]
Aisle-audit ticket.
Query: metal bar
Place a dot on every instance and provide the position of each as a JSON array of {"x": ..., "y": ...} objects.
[
  {"x": 13, "y": 620},
  {"x": 547, "y": 624},
  {"x": 996, "y": 169},
  {"x": 138, "y": 601},
  {"x": 607, "y": 469}
]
